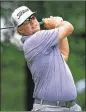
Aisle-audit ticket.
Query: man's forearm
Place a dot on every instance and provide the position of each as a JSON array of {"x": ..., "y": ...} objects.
[{"x": 64, "y": 47}]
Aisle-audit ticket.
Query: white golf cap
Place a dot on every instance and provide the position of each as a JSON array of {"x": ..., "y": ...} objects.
[{"x": 20, "y": 15}]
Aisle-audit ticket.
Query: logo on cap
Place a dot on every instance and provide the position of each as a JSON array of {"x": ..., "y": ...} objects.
[{"x": 22, "y": 12}]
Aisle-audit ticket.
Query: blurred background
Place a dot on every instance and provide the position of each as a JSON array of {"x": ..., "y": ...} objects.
[{"x": 12, "y": 59}]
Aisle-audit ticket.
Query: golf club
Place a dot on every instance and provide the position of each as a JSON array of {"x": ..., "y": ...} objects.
[{"x": 41, "y": 23}]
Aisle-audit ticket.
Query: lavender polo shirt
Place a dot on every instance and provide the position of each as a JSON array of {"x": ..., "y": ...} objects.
[{"x": 51, "y": 74}]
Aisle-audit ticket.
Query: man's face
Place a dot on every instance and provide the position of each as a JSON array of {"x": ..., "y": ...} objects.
[{"x": 30, "y": 26}]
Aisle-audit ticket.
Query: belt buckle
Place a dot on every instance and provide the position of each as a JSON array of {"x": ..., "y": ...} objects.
[
  {"x": 68, "y": 104},
  {"x": 71, "y": 103},
  {"x": 61, "y": 103},
  {"x": 65, "y": 104}
]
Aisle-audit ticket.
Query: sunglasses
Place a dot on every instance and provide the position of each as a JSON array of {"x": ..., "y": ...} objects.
[{"x": 28, "y": 20}]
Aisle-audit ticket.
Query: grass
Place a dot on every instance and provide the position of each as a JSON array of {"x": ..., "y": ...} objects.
[{"x": 12, "y": 78}]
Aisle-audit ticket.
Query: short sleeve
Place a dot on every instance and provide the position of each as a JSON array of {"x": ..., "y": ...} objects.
[{"x": 50, "y": 37}]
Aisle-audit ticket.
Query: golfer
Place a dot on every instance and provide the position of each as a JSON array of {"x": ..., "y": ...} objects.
[{"x": 46, "y": 53}]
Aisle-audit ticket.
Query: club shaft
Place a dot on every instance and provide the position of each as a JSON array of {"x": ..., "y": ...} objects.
[
  {"x": 41, "y": 23},
  {"x": 7, "y": 27}
]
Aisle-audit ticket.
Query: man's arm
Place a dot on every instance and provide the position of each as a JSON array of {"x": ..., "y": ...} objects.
[
  {"x": 64, "y": 48},
  {"x": 65, "y": 29}
]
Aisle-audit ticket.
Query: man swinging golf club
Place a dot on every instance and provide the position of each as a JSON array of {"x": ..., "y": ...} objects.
[{"x": 46, "y": 53}]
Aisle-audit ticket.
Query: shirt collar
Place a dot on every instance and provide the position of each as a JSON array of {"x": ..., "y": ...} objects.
[{"x": 24, "y": 38}]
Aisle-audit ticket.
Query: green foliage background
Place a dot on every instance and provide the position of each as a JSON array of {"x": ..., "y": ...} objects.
[{"x": 12, "y": 60}]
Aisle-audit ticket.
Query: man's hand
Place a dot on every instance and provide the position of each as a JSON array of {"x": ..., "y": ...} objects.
[{"x": 52, "y": 22}]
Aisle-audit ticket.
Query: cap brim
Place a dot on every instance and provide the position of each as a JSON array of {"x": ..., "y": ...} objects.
[
  {"x": 27, "y": 17},
  {"x": 34, "y": 12}
]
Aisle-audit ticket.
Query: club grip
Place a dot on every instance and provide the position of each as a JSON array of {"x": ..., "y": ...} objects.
[{"x": 41, "y": 23}]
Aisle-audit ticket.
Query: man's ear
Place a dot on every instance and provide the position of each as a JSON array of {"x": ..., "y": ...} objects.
[{"x": 20, "y": 31}]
